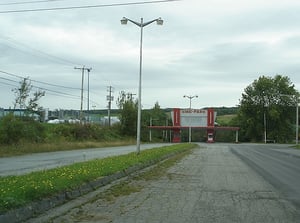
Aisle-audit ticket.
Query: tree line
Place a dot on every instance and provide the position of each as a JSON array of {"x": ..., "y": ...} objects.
[{"x": 266, "y": 111}]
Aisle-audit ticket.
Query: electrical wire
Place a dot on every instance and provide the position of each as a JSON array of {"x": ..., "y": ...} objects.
[
  {"x": 7, "y": 84},
  {"x": 41, "y": 82},
  {"x": 30, "y": 2},
  {"x": 42, "y": 88},
  {"x": 86, "y": 6},
  {"x": 47, "y": 90},
  {"x": 39, "y": 52}
]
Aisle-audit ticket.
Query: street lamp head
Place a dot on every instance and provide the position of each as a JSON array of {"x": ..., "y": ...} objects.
[
  {"x": 124, "y": 21},
  {"x": 159, "y": 21}
]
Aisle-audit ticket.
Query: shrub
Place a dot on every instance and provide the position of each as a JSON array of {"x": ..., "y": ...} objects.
[{"x": 14, "y": 130}]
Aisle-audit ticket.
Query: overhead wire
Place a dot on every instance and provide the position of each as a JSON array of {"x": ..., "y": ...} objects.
[
  {"x": 38, "y": 87},
  {"x": 86, "y": 6},
  {"x": 8, "y": 84},
  {"x": 41, "y": 53},
  {"x": 41, "y": 88},
  {"x": 65, "y": 8},
  {"x": 30, "y": 2},
  {"x": 47, "y": 90},
  {"x": 41, "y": 82}
]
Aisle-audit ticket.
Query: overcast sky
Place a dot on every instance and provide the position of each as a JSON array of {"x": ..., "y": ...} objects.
[{"x": 213, "y": 49}]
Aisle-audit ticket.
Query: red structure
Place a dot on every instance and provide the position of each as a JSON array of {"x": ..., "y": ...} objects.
[
  {"x": 176, "y": 123},
  {"x": 210, "y": 125},
  {"x": 195, "y": 119}
]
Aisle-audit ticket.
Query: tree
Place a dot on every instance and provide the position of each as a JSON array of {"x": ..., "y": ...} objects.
[
  {"x": 268, "y": 105},
  {"x": 22, "y": 93},
  {"x": 157, "y": 117},
  {"x": 22, "y": 99},
  {"x": 128, "y": 115}
]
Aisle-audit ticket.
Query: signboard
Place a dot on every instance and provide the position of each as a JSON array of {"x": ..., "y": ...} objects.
[{"x": 193, "y": 117}]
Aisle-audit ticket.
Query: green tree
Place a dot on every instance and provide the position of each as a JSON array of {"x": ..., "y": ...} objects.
[
  {"x": 128, "y": 114},
  {"x": 22, "y": 99},
  {"x": 268, "y": 104},
  {"x": 155, "y": 116}
]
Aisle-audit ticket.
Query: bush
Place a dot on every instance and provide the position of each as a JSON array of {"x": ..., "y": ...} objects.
[
  {"x": 14, "y": 130},
  {"x": 77, "y": 132}
]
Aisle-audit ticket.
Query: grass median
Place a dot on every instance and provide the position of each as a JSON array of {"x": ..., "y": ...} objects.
[{"x": 17, "y": 191}]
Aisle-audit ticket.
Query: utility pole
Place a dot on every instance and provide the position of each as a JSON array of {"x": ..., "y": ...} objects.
[
  {"x": 88, "y": 101},
  {"x": 82, "y": 79},
  {"x": 109, "y": 98},
  {"x": 131, "y": 96}
]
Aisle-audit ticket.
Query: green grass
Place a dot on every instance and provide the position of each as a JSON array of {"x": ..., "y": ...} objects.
[{"x": 16, "y": 191}]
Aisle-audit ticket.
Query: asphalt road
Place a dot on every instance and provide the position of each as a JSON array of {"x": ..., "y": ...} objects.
[
  {"x": 213, "y": 184},
  {"x": 18, "y": 165},
  {"x": 278, "y": 164}
]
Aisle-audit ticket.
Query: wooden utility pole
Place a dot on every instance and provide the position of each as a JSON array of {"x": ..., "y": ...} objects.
[{"x": 82, "y": 79}]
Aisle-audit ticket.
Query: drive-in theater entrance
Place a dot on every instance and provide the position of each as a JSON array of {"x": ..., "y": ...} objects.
[{"x": 192, "y": 119}]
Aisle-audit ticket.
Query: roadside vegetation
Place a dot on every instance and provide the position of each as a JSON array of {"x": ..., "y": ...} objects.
[
  {"x": 267, "y": 104},
  {"x": 18, "y": 191},
  {"x": 23, "y": 135}
]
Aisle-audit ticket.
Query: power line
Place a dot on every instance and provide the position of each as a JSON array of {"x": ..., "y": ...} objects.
[
  {"x": 41, "y": 88},
  {"x": 41, "y": 82},
  {"x": 7, "y": 84},
  {"x": 47, "y": 90},
  {"x": 41, "y": 53},
  {"x": 86, "y": 6},
  {"x": 30, "y": 2},
  {"x": 3, "y": 78}
]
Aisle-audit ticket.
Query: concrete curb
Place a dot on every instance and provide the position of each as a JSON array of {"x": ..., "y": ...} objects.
[{"x": 38, "y": 207}]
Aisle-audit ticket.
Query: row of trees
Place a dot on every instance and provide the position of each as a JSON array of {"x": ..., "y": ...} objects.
[{"x": 266, "y": 109}]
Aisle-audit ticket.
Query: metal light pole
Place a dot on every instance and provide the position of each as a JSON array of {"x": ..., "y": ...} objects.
[
  {"x": 190, "y": 127},
  {"x": 141, "y": 24}
]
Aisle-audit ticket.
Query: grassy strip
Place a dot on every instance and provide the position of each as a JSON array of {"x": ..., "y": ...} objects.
[{"x": 16, "y": 191}]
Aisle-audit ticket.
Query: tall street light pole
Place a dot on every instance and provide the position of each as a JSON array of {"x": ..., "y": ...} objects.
[
  {"x": 190, "y": 123},
  {"x": 141, "y": 24}
]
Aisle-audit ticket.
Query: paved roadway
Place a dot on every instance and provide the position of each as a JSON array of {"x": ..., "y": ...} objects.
[
  {"x": 40, "y": 161},
  {"x": 278, "y": 164},
  {"x": 220, "y": 183}
]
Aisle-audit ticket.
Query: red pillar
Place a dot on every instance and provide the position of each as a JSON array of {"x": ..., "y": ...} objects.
[{"x": 176, "y": 122}]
